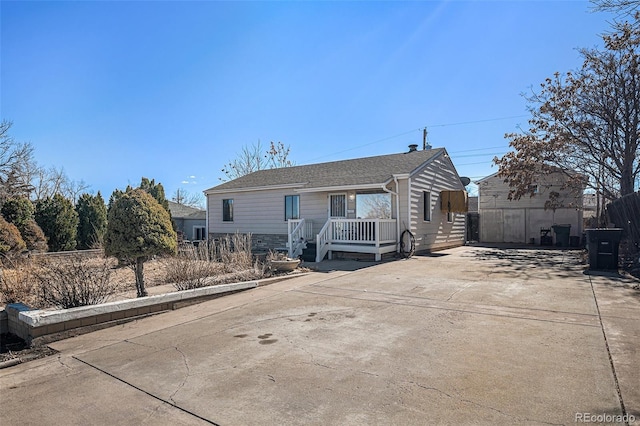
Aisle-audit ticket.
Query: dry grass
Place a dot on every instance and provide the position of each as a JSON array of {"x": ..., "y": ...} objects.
[
  {"x": 17, "y": 285},
  {"x": 68, "y": 281},
  {"x": 211, "y": 263}
]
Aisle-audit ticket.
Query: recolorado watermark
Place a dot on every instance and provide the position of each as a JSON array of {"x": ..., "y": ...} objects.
[{"x": 604, "y": 418}]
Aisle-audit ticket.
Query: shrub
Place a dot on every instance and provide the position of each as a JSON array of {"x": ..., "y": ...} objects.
[
  {"x": 11, "y": 242},
  {"x": 229, "y": 260},
  {"x": 75, "y": 281},
  {"x": 33, "y": 236},
  {"x": 193, "y": 266},
  {"x": 137, "y": 229},
  {"x": 235, "y": 252},
  {"x": 20, "y": 212}
]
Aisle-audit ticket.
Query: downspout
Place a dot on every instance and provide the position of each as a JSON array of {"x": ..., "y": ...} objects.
[
  {"x": 385, "y": 189},
  {"x": 206, "y": 218}
]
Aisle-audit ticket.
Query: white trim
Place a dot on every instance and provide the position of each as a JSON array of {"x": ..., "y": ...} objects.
[
  {"x": 206, "y": 217},
  {"x": 485, "y": 178},
  {"x": 343, "y": 188},
  {"x": 426, "y": 206},
  {"x": 397, "y": 194},
  {"x": 193, "y": 233},
  {"x": 344, "y": 194},
  {"x": 253, "y": 188},
  {"x": 409, "y": 196}
]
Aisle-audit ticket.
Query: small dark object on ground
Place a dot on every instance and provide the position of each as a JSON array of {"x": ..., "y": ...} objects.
[{"x": 11, "y": 346}]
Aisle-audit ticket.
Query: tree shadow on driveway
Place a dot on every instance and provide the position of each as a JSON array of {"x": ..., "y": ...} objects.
[{"x": 530, "y": 262}]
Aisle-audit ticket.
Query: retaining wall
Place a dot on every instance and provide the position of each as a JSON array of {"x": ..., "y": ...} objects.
[{"x": 43, "y": 326}]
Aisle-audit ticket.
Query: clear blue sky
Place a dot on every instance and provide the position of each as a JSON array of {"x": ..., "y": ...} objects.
[{"x": 112, "y": 91}]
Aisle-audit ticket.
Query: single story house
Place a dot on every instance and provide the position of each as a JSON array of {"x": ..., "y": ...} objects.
[
  {"x": 190, "y": 222},
  {"x": 526, "y": 220},
  {"x": 362, "y": 205}
]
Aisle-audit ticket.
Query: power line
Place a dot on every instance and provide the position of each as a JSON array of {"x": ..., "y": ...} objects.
[
  {"x": 478, "y": 155},
  {"x": 477, "y": 121},
  {"x": 418, "y": 130},
  {"x": 478, "y": 149},
  {"x": 366, "y": 144},
  {"x": 471, "y": 164}
]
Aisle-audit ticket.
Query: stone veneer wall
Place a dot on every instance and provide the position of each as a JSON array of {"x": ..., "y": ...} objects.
[{"x": 261, "y": 242}]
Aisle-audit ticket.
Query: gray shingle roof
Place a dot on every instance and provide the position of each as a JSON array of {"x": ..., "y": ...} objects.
[
  {"x": 180, "y": 211},
  {"x": 359, "y": 171}
]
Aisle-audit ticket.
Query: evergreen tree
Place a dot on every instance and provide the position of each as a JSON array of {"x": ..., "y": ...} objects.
[
  {"x": 92, "y": 220},
  {"x": 157, "y": 191},
  {"x": 59, "y": 221},
  {"x": 138, "y": 228},
  {"x": 18, "y": 210},
  {"x": 21, "y": 212}
]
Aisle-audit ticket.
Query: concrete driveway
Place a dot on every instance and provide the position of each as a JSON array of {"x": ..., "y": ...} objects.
[{"x": 467, "y": 336}]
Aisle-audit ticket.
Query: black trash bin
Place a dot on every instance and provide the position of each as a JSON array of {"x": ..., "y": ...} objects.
[
  {"x": 562, "y": 235},
  {"x": 574, "y": 241},
  {"x": 603, "y": 248}
]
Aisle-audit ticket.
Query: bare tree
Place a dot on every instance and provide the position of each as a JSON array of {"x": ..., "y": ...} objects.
[
  {"x": 73, "y": 189},
  {"x": 184, "y": 197},
  {"x": 623, "y": 7},
  {"x": 48, "y": 182},
  {"x": 16, "y": 159},
  {"x": 585, "y": 124},
  {"x": 253, "y": 158}
]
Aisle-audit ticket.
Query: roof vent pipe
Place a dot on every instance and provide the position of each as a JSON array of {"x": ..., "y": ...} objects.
[{"x": 413, "y": 147}]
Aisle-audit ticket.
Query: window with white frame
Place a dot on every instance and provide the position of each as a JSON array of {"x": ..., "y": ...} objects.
[
  {"x": 291, "y": 207},
  {"x": 227, "y": 210},
  {"x": 337, "y": 205},
  {"x": 199, "y": 233}
]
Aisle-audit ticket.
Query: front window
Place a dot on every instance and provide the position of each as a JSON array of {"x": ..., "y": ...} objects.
[
  {"x": 291, "y": 207},
  {"x": 227, "y": 210},
  {"x": 373, "y": 206}
]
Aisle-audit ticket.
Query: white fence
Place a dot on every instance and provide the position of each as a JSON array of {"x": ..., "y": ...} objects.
[{"x": 356, "y": 235}]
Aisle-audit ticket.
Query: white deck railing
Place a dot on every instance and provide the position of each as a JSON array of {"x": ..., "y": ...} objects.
[
  {"x": 368, "y": 234},
  {"x": 298, "y": 231},
  {"x": 307, "y": 227}
]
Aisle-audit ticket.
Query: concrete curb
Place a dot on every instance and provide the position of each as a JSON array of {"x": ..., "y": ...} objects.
[
  {"x": 39, "y": 318},
  {"x": 47, "y": 325}
]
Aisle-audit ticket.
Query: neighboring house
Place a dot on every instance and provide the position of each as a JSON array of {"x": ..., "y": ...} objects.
[
  {"x": 190, "y": 222},
  {"x": 526, "y": 220},
  {"x": 330, "y": 205}
]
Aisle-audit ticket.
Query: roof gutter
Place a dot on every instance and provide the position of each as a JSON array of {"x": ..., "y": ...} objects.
[
  {"x": 253, "y": 188},
  {"x": 341, "y": 188}
]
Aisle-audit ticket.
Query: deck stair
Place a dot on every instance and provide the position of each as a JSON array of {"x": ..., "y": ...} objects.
[{"x": 309, "y": 254}]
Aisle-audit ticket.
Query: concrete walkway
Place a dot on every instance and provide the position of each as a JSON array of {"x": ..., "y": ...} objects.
[{"x": 467, "y": 336}]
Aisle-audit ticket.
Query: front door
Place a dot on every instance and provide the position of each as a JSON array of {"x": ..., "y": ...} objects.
[{"x": 337, "y": 206}]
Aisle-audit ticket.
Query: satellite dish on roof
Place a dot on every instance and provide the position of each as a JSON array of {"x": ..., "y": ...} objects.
[{"x": 465, "y": 181}]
